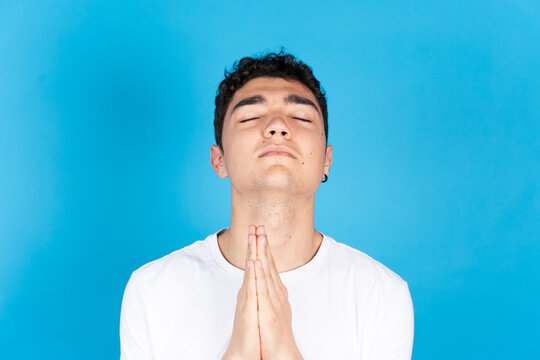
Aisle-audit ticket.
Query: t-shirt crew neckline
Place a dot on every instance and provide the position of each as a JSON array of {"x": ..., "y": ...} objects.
[{"x": 286, "y": 276}]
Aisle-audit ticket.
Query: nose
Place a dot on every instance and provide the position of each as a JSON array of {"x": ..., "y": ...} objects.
[{"x": 277, "y": 126}]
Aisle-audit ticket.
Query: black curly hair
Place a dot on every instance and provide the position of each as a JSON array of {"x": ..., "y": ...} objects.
[{"x": 278, "y": 65}]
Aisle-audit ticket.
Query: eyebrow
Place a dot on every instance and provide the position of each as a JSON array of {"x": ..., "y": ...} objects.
[
  {"x": 289, "y": 99},
  {"x": 296, "y": 99},
  {"x": 252, "y": 100}
]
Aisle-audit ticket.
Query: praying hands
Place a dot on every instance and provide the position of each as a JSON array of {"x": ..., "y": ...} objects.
[{"x": 262, "y": 322}]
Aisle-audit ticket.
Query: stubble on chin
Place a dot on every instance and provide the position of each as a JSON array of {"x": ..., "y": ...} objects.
[{"x": 275, "y": 180}]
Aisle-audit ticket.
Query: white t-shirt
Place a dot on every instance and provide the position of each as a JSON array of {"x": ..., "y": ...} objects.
[{"x": 345, "y": 305}]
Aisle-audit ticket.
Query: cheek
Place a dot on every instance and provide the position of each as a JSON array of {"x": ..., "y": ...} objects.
[
  {"x": 314, "y": 157},
  {"x": 238, "y": 149},
  {"x": 314, "y": 141}
]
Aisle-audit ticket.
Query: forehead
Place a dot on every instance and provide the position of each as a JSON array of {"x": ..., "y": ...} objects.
[{"x": 272, "y": 87}]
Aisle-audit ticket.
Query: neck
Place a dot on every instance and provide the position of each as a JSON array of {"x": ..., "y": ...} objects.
[{"x": 288, "y": 223}]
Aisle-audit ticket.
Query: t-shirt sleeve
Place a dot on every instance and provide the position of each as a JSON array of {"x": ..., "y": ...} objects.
[
  {"x": 134, "y": 334},
  {"x": 394, "y": 338}
]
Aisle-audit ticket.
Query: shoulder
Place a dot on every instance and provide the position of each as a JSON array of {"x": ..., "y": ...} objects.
[
  {"x": 380, "y": 289},
  {"x": 170, "y": 266},
  {"x": 364, "y": 268}
]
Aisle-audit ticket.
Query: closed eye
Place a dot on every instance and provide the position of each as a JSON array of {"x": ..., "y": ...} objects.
[
  {"x": 245, "y": 120},
  {"x": 301, "y": 119}
]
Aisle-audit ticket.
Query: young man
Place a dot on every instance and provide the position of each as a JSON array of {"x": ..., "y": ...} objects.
[{"x": 270, "y": 286}]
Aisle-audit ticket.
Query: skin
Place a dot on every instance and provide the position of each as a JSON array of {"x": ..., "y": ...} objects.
[{"x": 277, "y": 190}]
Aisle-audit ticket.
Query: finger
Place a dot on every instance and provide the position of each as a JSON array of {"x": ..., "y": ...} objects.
[
  {"x": 247, "y": 253},
  {"x": 272, "y": 269},
  {"x": 266, "y": 307},
  {"x": 259, "y": 231},
  {"x": 270, "y": 280},
  {"x": 250, "y": 251},
  {"x": 262, "y": 252},
  {"x": 252, "y": 244},
  {"x": 242, "y": 292},
  {"x": 251, "y": 287},
  {"x": 271, "y": 264},
  {"x": 251, "y": 247},
  {"x": 252, "y": 229},
  {"x": 263, "y": 294}
]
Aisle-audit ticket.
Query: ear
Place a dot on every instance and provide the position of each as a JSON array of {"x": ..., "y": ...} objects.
[
  {"x": 217, "y": 160},
  {"x": 328, "y": 159}
]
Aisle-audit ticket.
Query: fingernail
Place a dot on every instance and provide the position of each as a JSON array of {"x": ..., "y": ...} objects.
[
  {"x": 262, "y": 230},
  {"x": 264, "y": 240}
]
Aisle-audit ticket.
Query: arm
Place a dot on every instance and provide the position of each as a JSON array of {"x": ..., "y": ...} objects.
[
  {"x": 134, "y": 334},
  {"x": 394, "y": 337}
]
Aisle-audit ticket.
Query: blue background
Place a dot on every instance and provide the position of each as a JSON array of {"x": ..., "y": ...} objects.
[{"x": 106, "y": 119}]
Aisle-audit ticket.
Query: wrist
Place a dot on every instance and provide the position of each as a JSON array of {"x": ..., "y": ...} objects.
[
  {"x": 291, "y": 355},
  {"x": 231, "y": 356}
]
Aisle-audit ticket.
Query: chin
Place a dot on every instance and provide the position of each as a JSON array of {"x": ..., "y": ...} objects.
[{"x": 276, "y": 181}]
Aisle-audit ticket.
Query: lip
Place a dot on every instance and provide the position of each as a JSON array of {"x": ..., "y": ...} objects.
[{"x": 277, "y": 151}]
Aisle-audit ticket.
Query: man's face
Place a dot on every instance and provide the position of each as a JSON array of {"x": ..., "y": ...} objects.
[{"x": 273, "y": 139}]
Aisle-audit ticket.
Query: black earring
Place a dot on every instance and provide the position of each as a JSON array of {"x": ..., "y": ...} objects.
[{"x": 325, "y": 178}]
